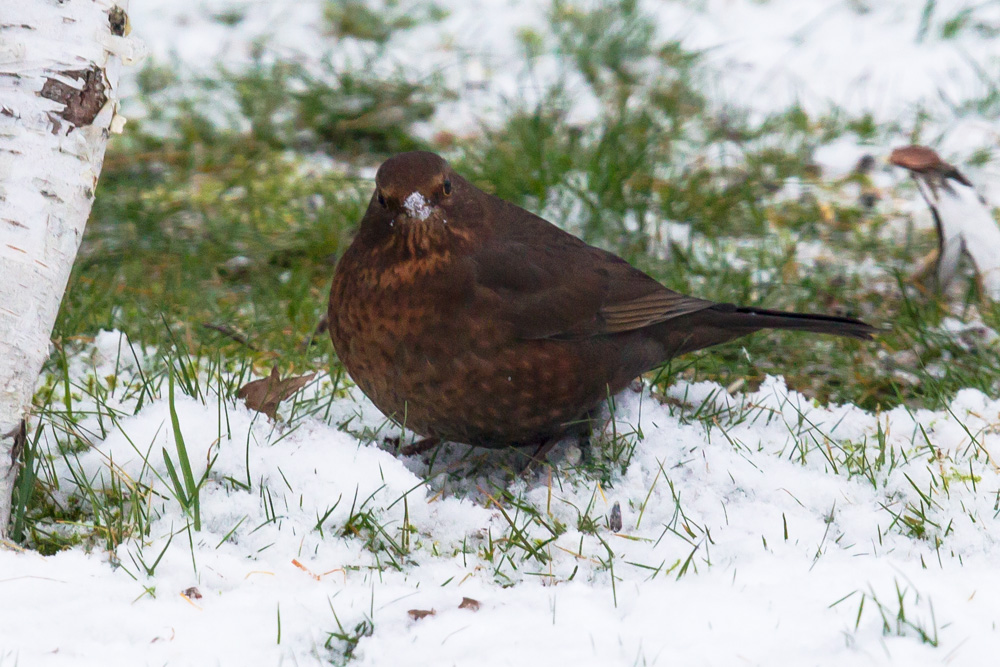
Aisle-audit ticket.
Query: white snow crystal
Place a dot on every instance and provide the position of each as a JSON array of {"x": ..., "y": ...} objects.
[{"x": 417, "y": 206}]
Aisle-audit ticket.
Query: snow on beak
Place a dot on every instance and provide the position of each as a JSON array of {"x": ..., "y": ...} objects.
[{"x": 417, "y": 206}]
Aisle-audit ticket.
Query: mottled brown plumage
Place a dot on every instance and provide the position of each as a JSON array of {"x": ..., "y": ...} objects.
[{"x": 466, "y": 318}]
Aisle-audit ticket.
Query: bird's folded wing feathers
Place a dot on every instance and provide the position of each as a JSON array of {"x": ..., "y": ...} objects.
[
  {"x": 650, "y": 309},
  {"x": 568, "y": 290}
]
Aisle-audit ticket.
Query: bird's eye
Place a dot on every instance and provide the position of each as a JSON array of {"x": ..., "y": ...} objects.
[
  {"x": 381, "y": 200},
  {"x": 447, "y": 186}
]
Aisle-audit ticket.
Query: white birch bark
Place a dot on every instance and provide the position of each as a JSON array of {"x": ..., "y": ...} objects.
[{"x": 59, "y": 69}]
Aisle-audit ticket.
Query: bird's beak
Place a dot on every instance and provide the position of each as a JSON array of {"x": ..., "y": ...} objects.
[{"x": 416, "y": 207}]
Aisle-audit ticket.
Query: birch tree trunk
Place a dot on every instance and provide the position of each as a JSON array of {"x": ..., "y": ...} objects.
[{"x": 59, "y": 68}]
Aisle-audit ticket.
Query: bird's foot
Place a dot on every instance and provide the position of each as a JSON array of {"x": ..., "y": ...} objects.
[
  {"x": 419, "y": 447},
  {"x": 586, "y": 445}
]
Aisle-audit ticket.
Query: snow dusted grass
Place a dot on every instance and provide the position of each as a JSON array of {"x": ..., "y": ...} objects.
[
  {"x": 783, "y": 500},
  {"x": 755, "y": 524}
]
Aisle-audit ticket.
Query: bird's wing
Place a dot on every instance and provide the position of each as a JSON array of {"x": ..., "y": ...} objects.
[
  {"x": 559, "y": 287},
  {"x": 963, "y": 213}
]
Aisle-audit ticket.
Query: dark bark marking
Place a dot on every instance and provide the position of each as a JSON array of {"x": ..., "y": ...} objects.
[
  {"x": 82, "y": 106},
  {"x": 118, "y": 20},
  {"x": 20, "y": 435}
]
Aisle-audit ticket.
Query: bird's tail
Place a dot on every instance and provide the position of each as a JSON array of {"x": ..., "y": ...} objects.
[
  {"x": 755, "y": 319},
  {"x": 724, "y": 322}
]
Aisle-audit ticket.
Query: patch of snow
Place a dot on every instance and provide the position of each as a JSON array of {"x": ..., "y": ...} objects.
[
  {"x": 972, "y": 335},
  {"x": 840, "y": 157},
  {"x": 417, "y": 206},
  {"x": 772, "y": 532}
]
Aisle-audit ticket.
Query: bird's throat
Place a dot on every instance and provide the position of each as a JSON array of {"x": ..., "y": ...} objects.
[{"x": 421, "y": 240}]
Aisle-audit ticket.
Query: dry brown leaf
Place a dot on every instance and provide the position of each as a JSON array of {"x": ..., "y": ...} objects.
[
  {"x": 469, "y": 603},
  {"x": 193, "y": 593},
  {"x": 417, "y": 614},
  {"x": 264, "y": 395},
  {"x": 615, "y": 520}
]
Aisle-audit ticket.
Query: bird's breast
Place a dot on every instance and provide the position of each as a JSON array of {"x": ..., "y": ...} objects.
[
  {"x": 390, "y": 323},
  {"x": 433, "y": 353}
]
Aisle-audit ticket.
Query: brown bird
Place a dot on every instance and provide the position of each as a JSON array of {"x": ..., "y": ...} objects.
[
  {"x": 466, "y": 318},
  {"x": 925, "y": 162},
  {"x": 962, "y": 218}
]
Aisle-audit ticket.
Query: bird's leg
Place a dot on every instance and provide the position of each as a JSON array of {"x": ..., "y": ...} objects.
[
  {"x": 585, "y": 444},
  {"x": 543, "y": 450},
  {"x": 420, "y": 446},
  {"x": 582, "y": 430},
  {"x": 541, "y": 454}
]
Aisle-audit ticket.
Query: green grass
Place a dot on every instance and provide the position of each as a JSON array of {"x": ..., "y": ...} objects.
[
  {"x": 214, "y": 236},
  {"x": 240, "y": 229}
]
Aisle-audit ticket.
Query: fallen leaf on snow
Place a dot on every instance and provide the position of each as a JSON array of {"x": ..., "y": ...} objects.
[
  {"x": 615, "y": 520},
  {"x": 264, "y": 395},
  {"x": 469, "y": 603}
]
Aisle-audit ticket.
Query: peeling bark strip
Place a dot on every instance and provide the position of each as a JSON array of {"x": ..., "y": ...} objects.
[
  {"x": 82, "y": 104},
  {"x": 20, "y": 438},
  {"x": 58, "y": 85}
]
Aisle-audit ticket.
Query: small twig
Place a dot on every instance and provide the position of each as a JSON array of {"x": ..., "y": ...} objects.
[{"x": 229, "y": 332}]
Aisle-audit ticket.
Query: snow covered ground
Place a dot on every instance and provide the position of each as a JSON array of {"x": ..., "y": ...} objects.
[
  {"x": 778, "y": 533},
  {"x": 764, "y": 538}
]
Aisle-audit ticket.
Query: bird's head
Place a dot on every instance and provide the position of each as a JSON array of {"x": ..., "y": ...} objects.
[
  {"x": 413, "y": 189},
  {"x": 420, "y": 207}
]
